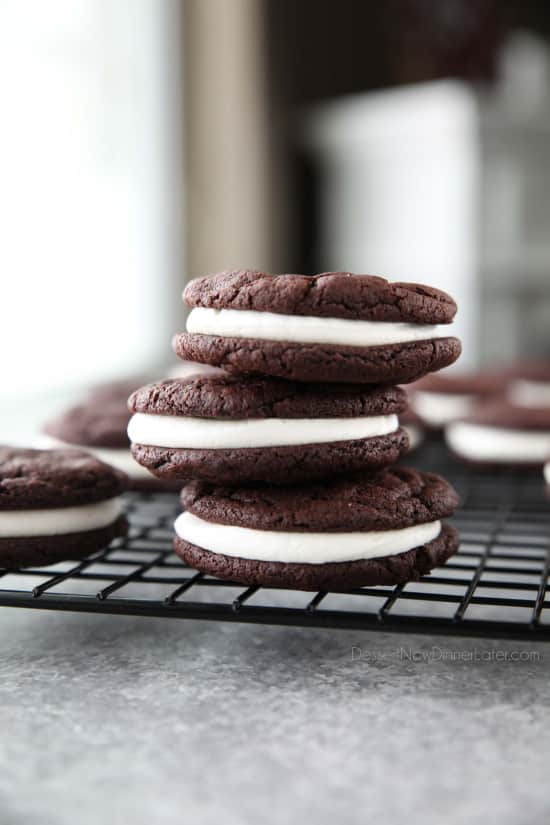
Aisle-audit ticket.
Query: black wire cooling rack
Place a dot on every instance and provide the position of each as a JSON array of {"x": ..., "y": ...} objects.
[{"x": 494, "y": 587}]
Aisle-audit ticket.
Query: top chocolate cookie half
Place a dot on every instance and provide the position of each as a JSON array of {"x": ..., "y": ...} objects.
[
  {"x": 389, "y": 500},
  {"x": 480, "y": 384},
  {"x": 335, "y": 327},
  {"x": 231, "y": 397},
  {"x": 329, "y": 295},
  {"x": 40, "y": 479},
  {"x": 100, "y": 423}
]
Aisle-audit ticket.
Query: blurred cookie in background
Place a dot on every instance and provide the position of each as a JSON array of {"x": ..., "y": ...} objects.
[
  {"x": 414, "y": 428},
  {"x": 498, "y": 433},
  {"x": 113, "y": 391},
  {"x": 529, "y": 384},
  {"x": 99, "y": 425},
  {"x": 440, "y": 399}
]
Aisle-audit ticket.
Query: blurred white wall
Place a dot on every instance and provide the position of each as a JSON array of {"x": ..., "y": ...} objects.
[
  {"x": 398, "y": 174},
  {"x": 90, "y": 200},
  {"x": 449, "y": 184}
]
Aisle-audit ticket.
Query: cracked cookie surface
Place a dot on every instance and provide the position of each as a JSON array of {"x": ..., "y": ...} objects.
[
  {"x": 388, "y": 500},
  {"x": 232, "y": 397},
  {"x": 389, "y": 364},
  {"x": 330, "y": 294},
  {"x": 39, "y": 479}
]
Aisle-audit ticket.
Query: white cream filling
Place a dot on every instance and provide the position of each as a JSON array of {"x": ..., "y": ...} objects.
[
  {"x": 438, "y": 408},
  {"x": 59, "y": 520},
  {"x": 547, "y": 472},
  {"x": 301, "y": 548},
  {"x": 306, "y": 329},
  {"x": 415, "y": 435},
  {"x": 484, "y": 443},
  {"x": 189, "y": 369},
  {"x": 217, "y": 434},
  {"x": 118, "y": 457},
  {"x": 530, "y": 393}
]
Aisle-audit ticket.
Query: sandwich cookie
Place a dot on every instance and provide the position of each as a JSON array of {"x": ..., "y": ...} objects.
[
  {"x": 530, "y": 384},
  {"x": 499, "y": 433},
  {"x": 351, "y": 532},
  {"x": 56, "y": 505},
  {"x": 334, "y": 327},
  {"x": 234, "y": 430},
  {"x": 439, "y": 399},
  {"x": 99, "y": 426}
]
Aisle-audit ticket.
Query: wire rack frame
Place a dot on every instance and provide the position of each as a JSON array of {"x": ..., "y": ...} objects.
[{"x": 494, "y": 587}]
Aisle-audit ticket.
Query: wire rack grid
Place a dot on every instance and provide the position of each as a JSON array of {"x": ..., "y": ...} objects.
[{"x": 494, "y": 587}]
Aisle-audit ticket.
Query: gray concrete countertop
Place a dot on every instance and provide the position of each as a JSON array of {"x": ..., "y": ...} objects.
[{"x": 130, "y": 720}]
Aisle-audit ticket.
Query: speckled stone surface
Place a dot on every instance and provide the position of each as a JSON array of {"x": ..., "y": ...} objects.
[{"x": 125, "y": 720}]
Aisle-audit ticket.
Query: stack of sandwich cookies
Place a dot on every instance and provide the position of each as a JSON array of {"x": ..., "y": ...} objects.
[
  {"x": 228, "y": 429},
  {"x": 359, "y": 531},
  {"x": 334, "y": 327},
  {"x": 499, "y": 433},
  {"x": 290, "y": 448},
  {"x": 56, "y": 505}
]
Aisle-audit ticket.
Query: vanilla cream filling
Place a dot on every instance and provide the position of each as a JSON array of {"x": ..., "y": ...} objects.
[
  {"x": 530, "y": 393},
  {"x": 306, "y": 329},
  {"x": 218, "y": 434},
  {"x": 438, "y": 408},
  {"x": 301, "y": 548},
  {"x": 118, "y": 457},
  {"x": 415, "y": 435},
  {"x": 484, "y": 443},
  {"x": 189, "y": 369},
  {"x": 59, "y": 520}
]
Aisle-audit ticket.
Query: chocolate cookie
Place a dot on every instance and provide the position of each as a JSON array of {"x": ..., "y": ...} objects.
[
  {"x": 498, "y": 433},
  {"x": 99, "y": 426},
  {"x": 334, "y": 327},
  {"x": 55, "y": 505},
  {"x": 346, "y": 533},
  {"x": 235, "y": 430},
  {"x": 439, "y": 399}
]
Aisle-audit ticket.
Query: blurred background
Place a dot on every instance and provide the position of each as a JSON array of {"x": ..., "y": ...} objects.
[{"x": 148, "y": 141}]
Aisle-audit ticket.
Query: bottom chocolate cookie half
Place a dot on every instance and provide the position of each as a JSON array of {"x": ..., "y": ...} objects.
[
  {"x": 387, "y": 570},
  {"x": 35, "y": 551},
  {"x": 389, "y": 364},
  {"x": 280, "y": 465}
]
